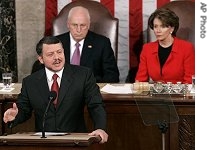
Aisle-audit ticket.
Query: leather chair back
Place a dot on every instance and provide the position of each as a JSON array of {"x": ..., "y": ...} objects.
[
  {"x": 102, "y": 22},
  {"x": 185, "y": 10}
]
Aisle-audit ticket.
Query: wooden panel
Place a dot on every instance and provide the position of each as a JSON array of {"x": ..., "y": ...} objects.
[
  {"x": 27, "y": 141},
  {"x": 127, "y": 131}
]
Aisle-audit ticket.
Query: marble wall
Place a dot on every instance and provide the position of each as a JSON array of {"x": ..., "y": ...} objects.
[
  {"x": 8, "y": 62},
  {"x": 30, "y": 24}
]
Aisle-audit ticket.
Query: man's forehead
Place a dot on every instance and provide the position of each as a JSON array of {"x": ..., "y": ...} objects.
[
  {"x": 52, "y": 45},
  {"x": 56, "y": 46}
]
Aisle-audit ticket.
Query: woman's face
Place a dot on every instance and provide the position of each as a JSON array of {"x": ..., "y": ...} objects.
[{"x": 162, "y": 33}]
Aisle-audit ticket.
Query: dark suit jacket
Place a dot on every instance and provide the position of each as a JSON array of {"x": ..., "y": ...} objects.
[
  {"x": 78, "y": 88},
  {"x": 97, "y": 54}
]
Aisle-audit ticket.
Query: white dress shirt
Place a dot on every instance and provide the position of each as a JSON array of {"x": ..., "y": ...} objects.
[
  {"x": 49, "y": 74},
  {"x": 73, "y": 46}
]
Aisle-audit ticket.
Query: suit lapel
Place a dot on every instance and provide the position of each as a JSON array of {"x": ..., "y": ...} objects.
[
  {"x": 66, "y": 46},
  {"x": 42, "y": 85},
  {"x": 87, "y": 48},
  {"x": 66, "y": 81}
]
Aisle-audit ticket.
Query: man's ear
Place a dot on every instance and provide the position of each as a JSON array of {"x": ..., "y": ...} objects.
[{"x": 40, "y": 59}]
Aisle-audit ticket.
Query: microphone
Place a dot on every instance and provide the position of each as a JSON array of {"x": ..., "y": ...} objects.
[{"x": 52, "y": 96}]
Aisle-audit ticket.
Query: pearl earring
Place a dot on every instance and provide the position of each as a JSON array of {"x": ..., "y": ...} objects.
[{"x": 171, "y": 32}]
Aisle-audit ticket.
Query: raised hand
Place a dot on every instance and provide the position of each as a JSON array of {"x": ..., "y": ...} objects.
[{"x": 11, "y": 113}]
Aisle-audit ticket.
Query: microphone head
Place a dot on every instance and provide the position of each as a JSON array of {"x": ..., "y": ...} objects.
[{"x": 52, "y": 95}]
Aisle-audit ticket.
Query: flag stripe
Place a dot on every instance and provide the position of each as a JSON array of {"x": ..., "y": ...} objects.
[
  {"x": 122, "y": 13},
  {"x": 135, "y": 33},
  {"x": 161, "y": 3},
  {"x": 50, "y": 13},
  {"x": 61, "y": 4},
  {"x": 109, "y": 4}
]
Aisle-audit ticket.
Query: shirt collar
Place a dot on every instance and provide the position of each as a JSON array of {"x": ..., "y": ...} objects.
[
  {"x": 50, "y": 73},
  {"x": 73, "y": 42}
]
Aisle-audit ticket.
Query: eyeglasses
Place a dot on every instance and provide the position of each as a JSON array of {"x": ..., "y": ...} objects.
[{"x": 81, "y": 26}]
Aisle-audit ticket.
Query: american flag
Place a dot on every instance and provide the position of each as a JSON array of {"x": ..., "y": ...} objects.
[{"x": 133, "y": 16}]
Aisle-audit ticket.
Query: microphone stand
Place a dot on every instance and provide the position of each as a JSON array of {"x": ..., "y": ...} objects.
[
  {"x": 52, "y": 97},
  {"x": 163, "y": 126}
]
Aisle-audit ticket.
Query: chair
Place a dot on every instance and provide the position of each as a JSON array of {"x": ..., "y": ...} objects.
[
  {"x": 185, "y": 10},
  {"x": 102, "y": 22}
]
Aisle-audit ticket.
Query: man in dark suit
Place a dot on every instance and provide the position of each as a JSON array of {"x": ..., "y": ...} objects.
[
  {"x": 95, "y": 50},
  {"x": 77, "y": 88}
]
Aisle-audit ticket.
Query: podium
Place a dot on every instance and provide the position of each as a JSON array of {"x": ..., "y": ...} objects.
[
  {"x": 29, "y": 141},
  {"x": 123, "y": 115}
]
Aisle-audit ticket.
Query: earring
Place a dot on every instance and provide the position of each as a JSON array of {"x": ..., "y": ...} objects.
[{"x": 171, "y": 32}]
